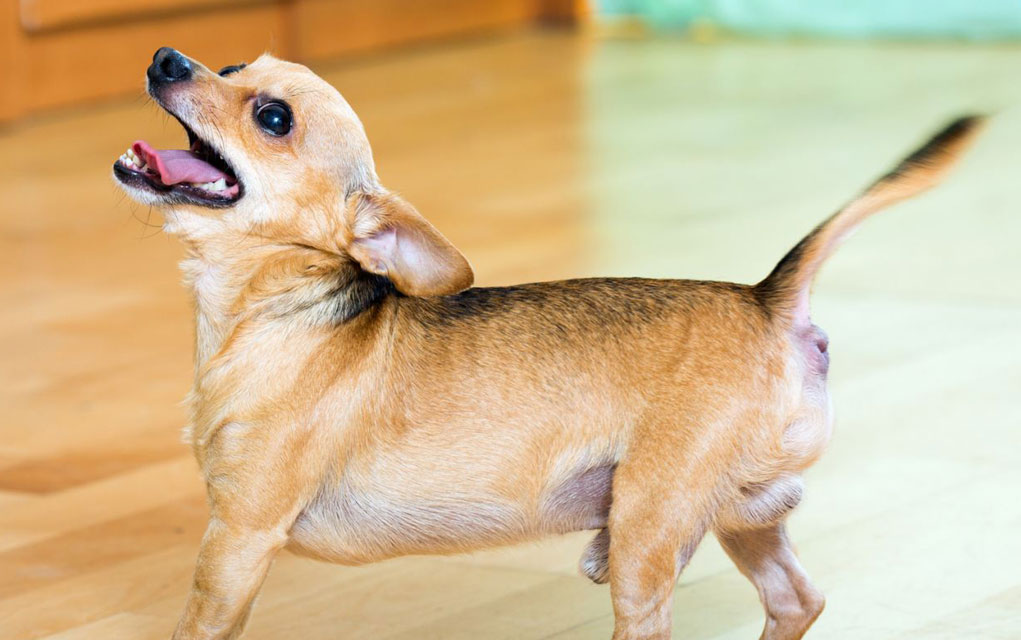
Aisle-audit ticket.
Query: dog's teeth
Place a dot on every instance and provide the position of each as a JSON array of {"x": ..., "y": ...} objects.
[
  {"x": 218, "y": 185},
  {"x": 131, "y": 160}
]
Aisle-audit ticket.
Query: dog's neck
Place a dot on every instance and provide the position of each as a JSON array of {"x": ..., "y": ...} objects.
[
  {"x": 222, "y": 259},
  {"x": 238, "y": 279},
  {"x": 213, "y": 292}
]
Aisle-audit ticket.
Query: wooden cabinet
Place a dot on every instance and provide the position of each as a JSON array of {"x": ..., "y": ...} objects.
[{"x": 62, "y": 52}]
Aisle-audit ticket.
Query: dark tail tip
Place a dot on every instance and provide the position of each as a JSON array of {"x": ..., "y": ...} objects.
[{"x": 948, "y": 141}]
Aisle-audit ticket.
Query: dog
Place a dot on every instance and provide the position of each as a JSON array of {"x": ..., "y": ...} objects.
[{"x": 355, "y": 399}]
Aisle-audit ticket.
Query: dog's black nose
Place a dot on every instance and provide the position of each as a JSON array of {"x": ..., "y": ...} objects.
[{"x": 168, "y": 66}]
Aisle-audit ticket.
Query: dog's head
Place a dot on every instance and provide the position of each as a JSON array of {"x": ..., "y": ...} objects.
[{"x": 275, "y": 151}]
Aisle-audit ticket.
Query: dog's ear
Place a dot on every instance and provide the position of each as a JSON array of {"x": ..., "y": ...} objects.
[{"x": 389, "y": 237}]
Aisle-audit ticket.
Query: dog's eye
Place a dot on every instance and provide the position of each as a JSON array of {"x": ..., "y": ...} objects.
[
  {"x": 233, "y": 68},
  {"x": 274, "y": 118}
]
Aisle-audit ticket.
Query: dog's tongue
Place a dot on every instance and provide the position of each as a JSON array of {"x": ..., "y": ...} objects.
[{"x": 177, "y": 165}]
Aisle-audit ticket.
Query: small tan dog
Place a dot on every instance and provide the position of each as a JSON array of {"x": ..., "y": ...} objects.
[{"x": 354, "y": 400}]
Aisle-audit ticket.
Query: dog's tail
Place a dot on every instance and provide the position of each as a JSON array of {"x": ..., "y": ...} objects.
[{"x": 785, "y": 290}]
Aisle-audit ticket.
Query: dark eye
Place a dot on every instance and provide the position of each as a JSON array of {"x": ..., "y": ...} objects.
[
  {"x": 233, "y": 68},
  {"x": 274, "y": 118}
]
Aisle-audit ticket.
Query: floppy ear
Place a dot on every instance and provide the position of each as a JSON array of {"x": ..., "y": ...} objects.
[{"x": 390, "y": 238}]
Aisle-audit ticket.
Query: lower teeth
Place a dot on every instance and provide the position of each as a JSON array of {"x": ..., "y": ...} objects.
[
  {"x": 132, "y": 161},
  {"x": 219, "y": 185}
]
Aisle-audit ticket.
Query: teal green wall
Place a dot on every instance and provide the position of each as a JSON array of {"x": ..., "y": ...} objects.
[{"x": 972, "y": 19}]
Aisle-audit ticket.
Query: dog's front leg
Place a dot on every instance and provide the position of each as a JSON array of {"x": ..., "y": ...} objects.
[
  {"x": 259, "y": 477},
  {"x": 233, "y": 561}
]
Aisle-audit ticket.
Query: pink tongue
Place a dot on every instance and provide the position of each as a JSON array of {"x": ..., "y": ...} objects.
[{"x": 177, "y": 165}]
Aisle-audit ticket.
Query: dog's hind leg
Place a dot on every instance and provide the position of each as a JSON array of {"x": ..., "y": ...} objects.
[
  {"x": 595, "y": 560},
  {"x": 660, "y": 512},
  {"x": 765, "y": 556}
]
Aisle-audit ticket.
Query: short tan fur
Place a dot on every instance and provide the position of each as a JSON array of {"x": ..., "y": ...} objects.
[{"x": 355, "y": 400}]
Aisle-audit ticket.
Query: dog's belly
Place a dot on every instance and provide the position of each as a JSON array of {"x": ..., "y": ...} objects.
[
  {"x": 354, "y": 527},
  {"x": 349, "y": 525},
  {"x": 581, "y": 502}
]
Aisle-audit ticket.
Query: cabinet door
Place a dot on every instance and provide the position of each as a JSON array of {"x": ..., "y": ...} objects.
[
  {"x": 40, "y": 15},
  {"x": 99, "y": 60},
  {"x": 329, "y": 28},
  {"x": 11, "y": 100}
]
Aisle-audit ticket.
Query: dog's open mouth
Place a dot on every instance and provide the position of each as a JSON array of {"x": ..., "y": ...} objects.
[{"x": 199, "y": 174}]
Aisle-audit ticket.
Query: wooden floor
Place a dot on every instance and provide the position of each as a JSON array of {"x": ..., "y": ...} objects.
[{"x": 547, "y": 156}]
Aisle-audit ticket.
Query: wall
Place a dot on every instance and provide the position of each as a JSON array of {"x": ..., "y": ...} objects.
[{"x": 973, "y": 19}]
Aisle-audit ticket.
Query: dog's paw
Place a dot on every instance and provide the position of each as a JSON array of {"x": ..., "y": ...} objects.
[{"x": 595, "y": 560}]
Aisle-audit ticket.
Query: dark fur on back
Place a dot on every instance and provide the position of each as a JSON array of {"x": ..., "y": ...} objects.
[{"x": 567, "y": 306}]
